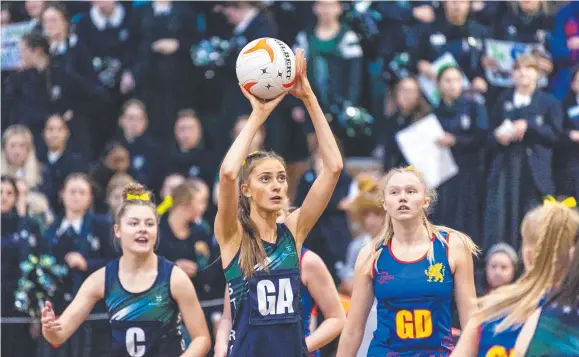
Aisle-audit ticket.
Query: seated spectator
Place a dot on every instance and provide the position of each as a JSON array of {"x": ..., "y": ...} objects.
[
  {"x": 58, "y": 158},
  {"x": 115, "y": 159},
  {"x": 115, "y": 188},
  {"x": 187, "y": 155},
  {"x": 20, "y": 237},
  {"x": 501, "y": 268},
  {"x": 18, "y": 159},
  {"x": 143, "y": 149},
  {"x": 367, "y": 211}
]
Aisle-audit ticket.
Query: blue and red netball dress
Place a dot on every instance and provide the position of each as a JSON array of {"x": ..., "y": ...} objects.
[{"x": 414, "y": 304}]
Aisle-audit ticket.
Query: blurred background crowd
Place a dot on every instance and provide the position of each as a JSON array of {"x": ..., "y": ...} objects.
[{"x": 99, "y": 94}]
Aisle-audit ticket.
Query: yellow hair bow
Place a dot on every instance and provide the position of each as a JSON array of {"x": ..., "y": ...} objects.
[
  {"x": 568, "y": 202},
  {"x": 411, "y": 168},
  {"x": 165, "y": 205},
  {"x": 142, "y": 197}
]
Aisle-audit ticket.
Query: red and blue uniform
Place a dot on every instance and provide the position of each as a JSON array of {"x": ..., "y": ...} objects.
[
  {"x": 498, "y": 344},
  {"x": 414, "y": 304}
]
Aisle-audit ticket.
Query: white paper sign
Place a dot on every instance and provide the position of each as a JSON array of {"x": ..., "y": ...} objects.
[
  {"x": 505, "y": 53},
  {"x": 418, "y": 144},
  {"x": 430, "y": 88},
  {"x": 11, "y": 36}
]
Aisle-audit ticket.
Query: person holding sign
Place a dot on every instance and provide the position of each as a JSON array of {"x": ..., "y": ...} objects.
[
  {"x": 527, "y": 124},
  {"x": 413, "y": 269}
]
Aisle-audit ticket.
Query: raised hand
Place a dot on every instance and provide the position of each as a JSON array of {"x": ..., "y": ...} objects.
[
  {"x": 259, "y": 106},
  {"x": 301, "y": 88}
]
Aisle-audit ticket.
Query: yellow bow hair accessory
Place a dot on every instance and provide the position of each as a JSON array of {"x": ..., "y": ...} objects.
[
  {"x": 248, "y": 156},
  {"x": 568, "y": 202},
  {"x": 142, "y": 197},
  {"x": 411, "y": 168},
  {"x": 165, "y": 205}
]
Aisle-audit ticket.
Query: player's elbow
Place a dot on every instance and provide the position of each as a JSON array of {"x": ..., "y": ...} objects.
[
  {"x": 335, "y": 167},
  {"x": 227, "y": 174}
]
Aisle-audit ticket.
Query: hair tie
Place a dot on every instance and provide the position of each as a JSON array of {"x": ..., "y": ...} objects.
[
  {"x": 411, "y": 168},
  {"x": 165, "y": 205},
  {"x": 568, "y": 202},
  {"x": 142, "y": 197},
  {"x": 248, "y": 156}
]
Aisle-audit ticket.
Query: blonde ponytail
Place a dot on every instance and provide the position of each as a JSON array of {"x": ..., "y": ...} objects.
[{"x": 517, "y": 301}]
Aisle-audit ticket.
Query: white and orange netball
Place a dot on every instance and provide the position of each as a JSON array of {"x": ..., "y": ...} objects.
[{"x": 266, "y": 67}]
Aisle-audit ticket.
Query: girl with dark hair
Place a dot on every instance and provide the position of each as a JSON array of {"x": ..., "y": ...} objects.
[
  {"x": 144, "y": 293},
  {"x": 260, "y": 257},
  {"x": 463, "y": 117}
]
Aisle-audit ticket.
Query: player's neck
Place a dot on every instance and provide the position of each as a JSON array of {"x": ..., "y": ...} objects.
[
  {"x": 327, "y": 30},
  {"x": 138, "y": 262},
  {"x": 266, "y": 224},
  {"x": 409, "y": 232}
]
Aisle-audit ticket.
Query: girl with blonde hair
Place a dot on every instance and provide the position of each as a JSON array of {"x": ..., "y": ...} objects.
[
  {"x": 413, "y": 269},
  {"x": 18, "y": 159},
  {"x": 494, "y": 328}
]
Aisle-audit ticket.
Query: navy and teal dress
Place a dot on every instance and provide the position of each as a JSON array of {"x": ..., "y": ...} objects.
[
  {"x": 492, "y": 343},
  {"x": 308, "y": 305},
  {"x": 145, "y": 324},
  {"x": 557, "y": 332},
  {"x": 414, "y": 304},
  {"x": 265, "y": 307}
]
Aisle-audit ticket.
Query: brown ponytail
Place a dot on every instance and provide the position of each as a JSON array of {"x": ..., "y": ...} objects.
[{"x": 252, "y": 253}]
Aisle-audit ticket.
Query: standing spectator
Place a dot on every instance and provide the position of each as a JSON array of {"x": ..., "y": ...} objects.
[
  {"x": 455, "y": 33},
  {"x": 20, "y": 237},
  {"x": 160, "y": 63},
  {"x": 105, "y": 32},
  {"x": 527, "y": 123},
  {"x": 18, "y": 159},
  {"x": 144, "y": 151},
  {"x": 409, "y": 106},
  {"x": 58, "y": 158},
  {"x": 71, "y": 55},
  {"x": 335, "y": 59},
  {"x": 43, "y": 88},
  {"x": 564, "y": 46},
  {"x": 567, "y": 155},
  {"x": 250, "y": 22},
  {"x": 34, "y": 10},
  {"x": 463, "y": 117}
]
